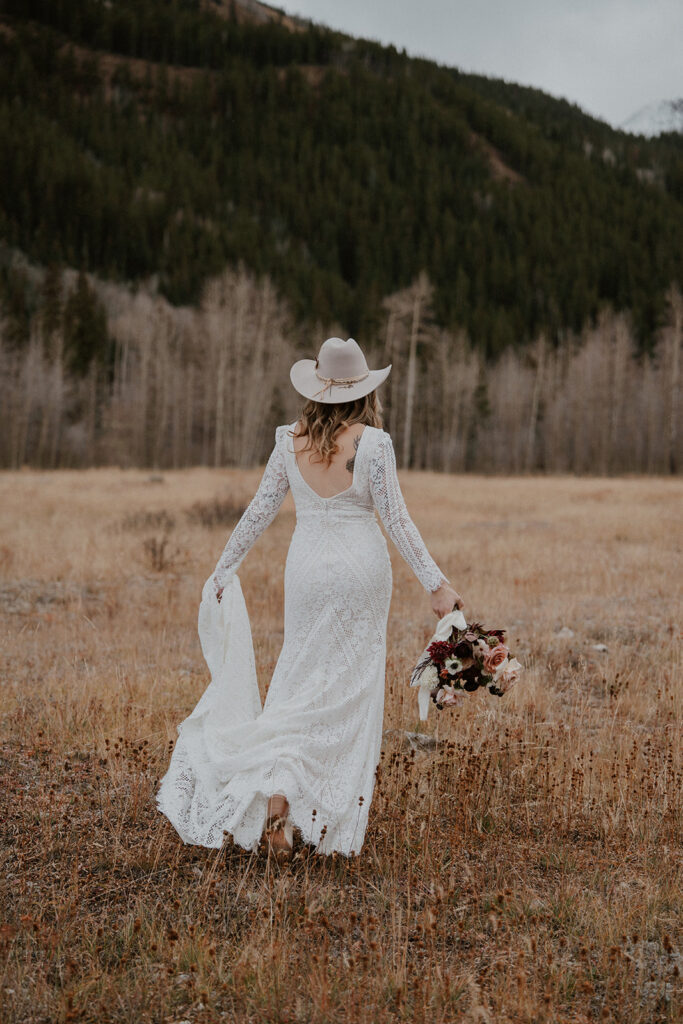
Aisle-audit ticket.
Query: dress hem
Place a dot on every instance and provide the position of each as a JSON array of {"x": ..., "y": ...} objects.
[{"x": 294, "y": 818}]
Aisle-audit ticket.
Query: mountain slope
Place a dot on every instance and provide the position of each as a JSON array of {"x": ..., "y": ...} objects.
[{"x": 164, "y": 139}]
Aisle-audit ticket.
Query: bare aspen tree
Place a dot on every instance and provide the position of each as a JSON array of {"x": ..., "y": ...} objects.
[
  {"x": 60, "y": 387},
  {"x": 265, "y": 354},
  {"x": 204, "y": 336},
  {"x": 252, "y": 379},
  {"x": 223, "y": 327},
  {"x": 238, "y": 299},
  {"x": 185, "y": 412},
  {"x": 622, "y": 358},
  {"x": 393, "y": 348},
  {"x": 539, "y": 358},
  {"x": 245, "y": 324},
  {"x": 143, "y": 396},
  {"x": 48, "y": 411},
  {"x": 676, "y": 307},
  {"x": 448, "y": 399},
  {"x": 407, "y": 310},
  {"x": 451, "y": 367},
  {"x": 30, "y": 375},
  {"x": 558, "y": 421},
  {"x": 421, "y": 295},
  {"x": 651, "y": 416}
]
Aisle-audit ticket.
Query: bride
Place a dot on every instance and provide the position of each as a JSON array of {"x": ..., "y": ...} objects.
[{"x": 307, "y": 758}]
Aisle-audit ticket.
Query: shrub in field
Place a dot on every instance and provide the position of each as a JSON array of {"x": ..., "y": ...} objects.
[
  {"x": 145, "y": 519},
  {"x": 216, "y": 512}
]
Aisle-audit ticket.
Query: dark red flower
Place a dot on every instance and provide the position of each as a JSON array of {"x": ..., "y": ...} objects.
[{"x": 439, "y": 650}]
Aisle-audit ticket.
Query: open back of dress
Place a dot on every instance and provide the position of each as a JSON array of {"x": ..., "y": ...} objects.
[{"x": 317, "y": 737}]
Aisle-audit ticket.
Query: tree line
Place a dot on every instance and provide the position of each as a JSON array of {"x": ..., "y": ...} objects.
[{"x": 112, "y": 376}]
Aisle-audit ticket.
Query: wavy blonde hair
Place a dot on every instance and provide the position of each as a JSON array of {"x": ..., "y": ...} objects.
[{"x": 322, "y": 421}]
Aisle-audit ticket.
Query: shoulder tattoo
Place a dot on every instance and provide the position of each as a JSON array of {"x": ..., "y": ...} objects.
[{"x": 350, "y": 462}]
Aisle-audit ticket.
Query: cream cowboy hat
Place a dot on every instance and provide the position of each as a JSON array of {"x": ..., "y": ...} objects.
[{"x": 339, "y": 374}]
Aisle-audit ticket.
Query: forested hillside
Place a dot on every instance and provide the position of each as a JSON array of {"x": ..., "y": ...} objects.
[{"x": 162, "y": 141}]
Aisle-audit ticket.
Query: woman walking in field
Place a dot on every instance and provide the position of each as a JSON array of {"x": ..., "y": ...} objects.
[{"x": 308, "y": 757}]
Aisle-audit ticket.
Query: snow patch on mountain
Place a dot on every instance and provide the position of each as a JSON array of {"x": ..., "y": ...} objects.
[{"x": 665, "y": 116}]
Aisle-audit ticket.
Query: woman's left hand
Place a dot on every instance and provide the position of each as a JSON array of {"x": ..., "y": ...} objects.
[{"x": 445, "y": 599}]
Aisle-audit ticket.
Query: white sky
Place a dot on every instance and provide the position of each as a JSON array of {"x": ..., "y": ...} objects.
[{"x": 612, "y": 57}]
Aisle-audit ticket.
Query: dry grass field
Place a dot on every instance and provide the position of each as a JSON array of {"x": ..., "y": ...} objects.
[{"x": 525, "y": 868}]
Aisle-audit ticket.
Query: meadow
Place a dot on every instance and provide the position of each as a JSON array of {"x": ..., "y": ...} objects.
[{"x": 522, "y": 862}]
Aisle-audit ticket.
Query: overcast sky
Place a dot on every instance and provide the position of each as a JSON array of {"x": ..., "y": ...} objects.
[{"x": 612, "y": 57}]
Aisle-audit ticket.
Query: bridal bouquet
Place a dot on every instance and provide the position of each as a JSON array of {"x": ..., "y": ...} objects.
[{"x": 460, "y": 659}]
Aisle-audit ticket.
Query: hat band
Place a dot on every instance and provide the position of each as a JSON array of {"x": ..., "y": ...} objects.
[{"x": 340, "y": 382}]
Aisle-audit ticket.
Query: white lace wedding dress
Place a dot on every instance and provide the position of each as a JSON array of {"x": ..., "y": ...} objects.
[{"x": 317, "y": 738}]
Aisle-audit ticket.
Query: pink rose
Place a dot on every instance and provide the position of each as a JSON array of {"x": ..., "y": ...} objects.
[
  {"x": 495, "y": 658},
  {"x": 508, "y": 677},
  {"x": 449, "y": 697}
]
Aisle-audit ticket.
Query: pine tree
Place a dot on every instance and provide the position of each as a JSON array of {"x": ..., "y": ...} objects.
[
  {"x": 52, "y": 305},
  {"x": 85, "y": 328}
]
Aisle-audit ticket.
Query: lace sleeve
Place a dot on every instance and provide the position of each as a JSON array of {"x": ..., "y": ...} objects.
[
  {"x": 387, "y": 496},
  {"x": 260, "y": 512}
]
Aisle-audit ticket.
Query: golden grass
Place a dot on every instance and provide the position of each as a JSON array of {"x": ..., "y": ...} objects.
[{"x": 528, "y": 869}]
